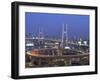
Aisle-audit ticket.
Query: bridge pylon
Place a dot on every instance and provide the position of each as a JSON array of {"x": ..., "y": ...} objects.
[
  {"x": 64, "y": 38},
  {"x": 40, "y": 37}
]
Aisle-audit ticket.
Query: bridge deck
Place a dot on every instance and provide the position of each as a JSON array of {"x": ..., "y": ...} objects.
[{"x": 56, "y": 56}]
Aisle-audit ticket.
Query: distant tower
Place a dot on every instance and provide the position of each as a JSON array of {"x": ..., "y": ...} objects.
[
  {"x": 64, "y": 39},
  {"x": 40, "y": 37}
]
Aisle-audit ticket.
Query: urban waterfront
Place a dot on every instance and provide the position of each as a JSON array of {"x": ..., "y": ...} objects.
[
  {"x": 47, "y": 52},
  {"x": 57, "y": 47}
]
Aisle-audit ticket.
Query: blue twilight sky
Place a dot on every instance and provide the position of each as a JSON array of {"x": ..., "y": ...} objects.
[{"x": 51, "y": 25}]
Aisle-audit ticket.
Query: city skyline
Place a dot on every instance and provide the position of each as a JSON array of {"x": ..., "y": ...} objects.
[
  {"x": 51, "y": 25},
  {"x": 53, "y": 43}
]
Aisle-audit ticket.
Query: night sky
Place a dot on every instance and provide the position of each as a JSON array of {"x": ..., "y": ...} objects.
[{"x": 51, "y": 25}]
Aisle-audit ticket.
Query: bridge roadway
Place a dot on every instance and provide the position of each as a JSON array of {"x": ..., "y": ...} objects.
[
  {"x": 58, "y": 56},
  {"x": 54, "y": 40},
  {"x": 48, "y": 39},
  {"x": 53, "y": 60}
]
